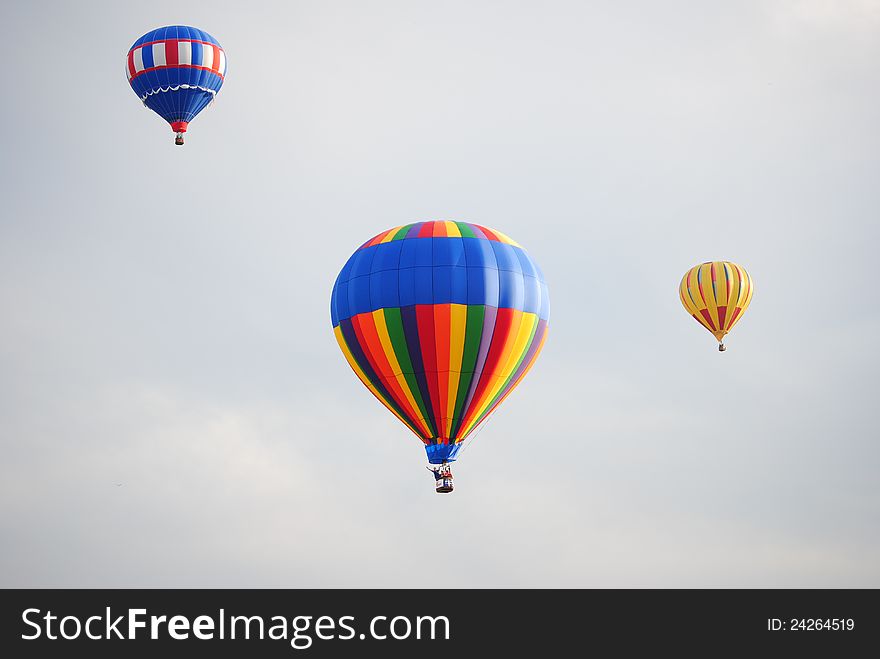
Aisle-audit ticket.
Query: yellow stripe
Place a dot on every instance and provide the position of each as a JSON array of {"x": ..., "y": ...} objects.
[
  {"x": 743, "y": 286},
  {"x": 745, "y": 293},
  {"x": 388, "y": 349},
  {"x": 699, "y": 302},
  {"x": 458, "y": 324},
  {"x": 748, "y": 278},
  {"x": 526, "y": 322},
  {"x": 520, "y": 345},
  {"x": 522, "y": 375},
  {"x": 504, "y": 238},
  {"x": 340, "y": 339},
  {"x": 452, "y": 230},
  {"x": 706, "y": 279},
  {"x": 722, "y": 289},
  {"x": 728, "y": 287},
  {"x": 390, "y": 235},
  {"x": 737, "y": 293},
  {"x": 694, "y": 288},
  {"x": 684, "y": 293}
]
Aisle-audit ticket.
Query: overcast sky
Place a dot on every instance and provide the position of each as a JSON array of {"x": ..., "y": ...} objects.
[{"x": 164, "y": 311}]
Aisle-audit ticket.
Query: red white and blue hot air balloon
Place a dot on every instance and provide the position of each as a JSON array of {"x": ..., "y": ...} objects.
[{"x": 176, "y": 71}]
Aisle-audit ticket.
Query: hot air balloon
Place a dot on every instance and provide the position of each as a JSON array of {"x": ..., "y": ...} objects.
[
  {"x": 176, "y": 71},
  {"x": 716, "y": 293},
  {"x": 440, "y": 321}
]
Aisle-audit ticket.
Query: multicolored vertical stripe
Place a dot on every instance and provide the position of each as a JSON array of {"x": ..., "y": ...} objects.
[
  {"x": 441, "y": 321},
  {"x": 716, "y": 294}
]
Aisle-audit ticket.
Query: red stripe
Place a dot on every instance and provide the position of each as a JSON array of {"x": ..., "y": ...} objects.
[
  {"x": 722, "y": 312},
  {"x": 478, "y": 231},
  {"x": 179, "y": 66},
  {"x": 514, "y": 384},
  {"x": 215, "y": 63},
  {"x": 378, "y": 396},
  {"x": 365, "y": 346},
  {"x": 365, "y": 329},
  {"x": 131, "y": 63},
  {"x": 490, "y": 235},
  {"x": 497, "y": 352},
  {"x": 705, "y": 313},
  {"x": 736, "y": 313},
  {"x": 442, "y": 325},
  {"x": 171, "y": 52},
  {"x": 426, "y": 231},
  {"x": 376, "y": 240},
  {"x": 427, "y": 340}
]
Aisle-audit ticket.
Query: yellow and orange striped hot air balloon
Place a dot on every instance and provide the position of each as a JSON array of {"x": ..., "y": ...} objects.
[{"x": 717, "y": 294}]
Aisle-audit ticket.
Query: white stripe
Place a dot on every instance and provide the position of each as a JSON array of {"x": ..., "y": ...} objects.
[
  {"x": 207, "y": 55},
  {"x": 184, "y": 52},
  {"x": 127, "y": 70},
  {"x": 138, "y": 60},
  {"x": 159, "y": 54},
  {"x": 222, "y": 66}
]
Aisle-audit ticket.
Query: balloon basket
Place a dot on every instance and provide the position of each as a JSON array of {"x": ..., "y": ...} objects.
[
  {"x": 178, "y": 139},
  {"x": 444, "y": 486},
  {"x": 721, "y": 347}
]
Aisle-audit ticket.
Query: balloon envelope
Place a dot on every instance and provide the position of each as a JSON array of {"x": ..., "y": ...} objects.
[
  {"x": 440, "y": 320},
  {"x": 176, "y": 71},
  {"x": 716, "y": 294}
]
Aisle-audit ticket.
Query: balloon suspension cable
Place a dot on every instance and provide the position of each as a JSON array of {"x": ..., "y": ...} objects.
[
  {"x": 721, "y": 347},
  {"x": 178, "y": 139},
  {"x": 473, "y": 438}
]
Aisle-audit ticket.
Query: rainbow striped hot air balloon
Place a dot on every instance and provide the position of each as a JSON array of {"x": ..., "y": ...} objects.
[
  {"x": 441, "y": 321},
  {"x": 716, "y": 294}
]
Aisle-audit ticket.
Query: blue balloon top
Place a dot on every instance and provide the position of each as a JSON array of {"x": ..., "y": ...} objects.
[{"x": 176, "y": 32}]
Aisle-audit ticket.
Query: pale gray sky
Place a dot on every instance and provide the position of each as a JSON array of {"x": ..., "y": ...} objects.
[{"x": 165, "y": 318}]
